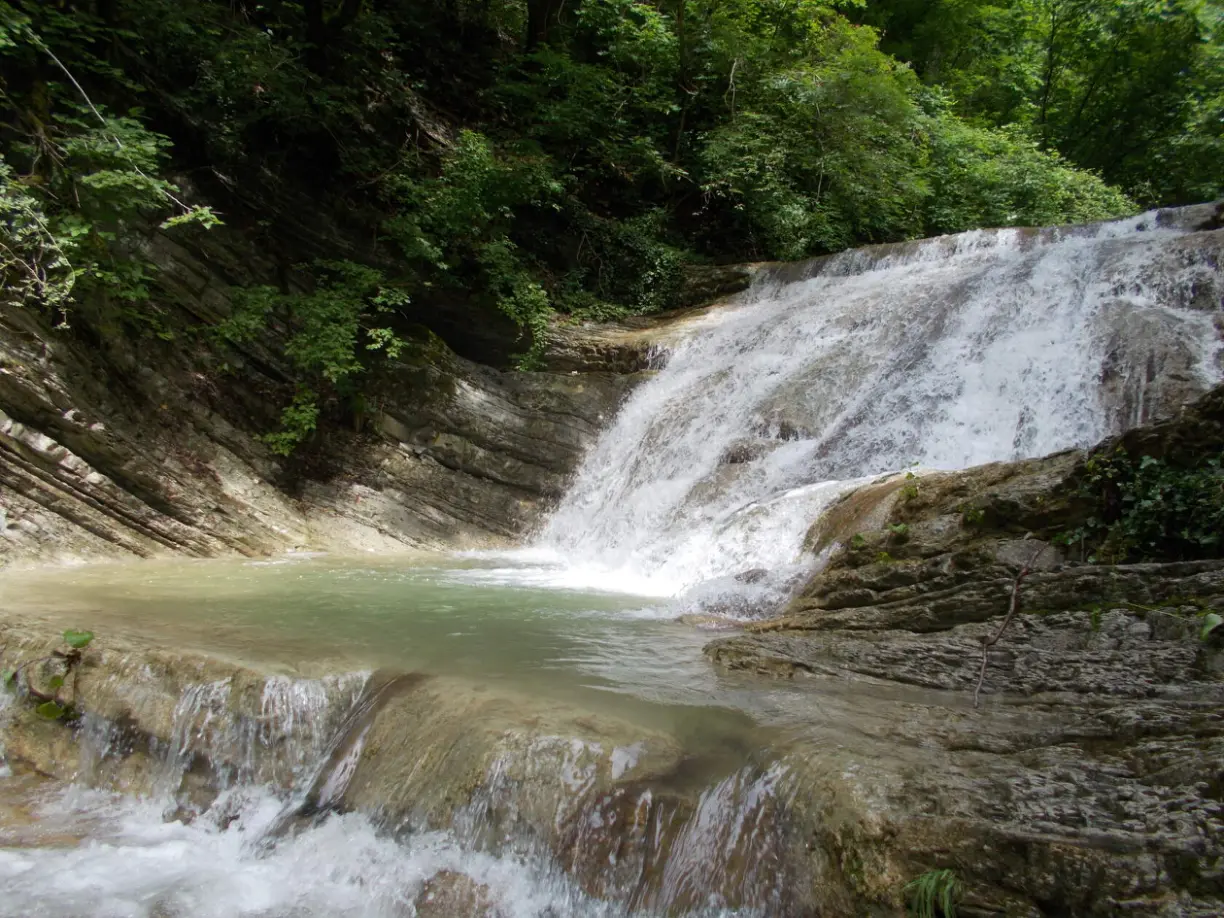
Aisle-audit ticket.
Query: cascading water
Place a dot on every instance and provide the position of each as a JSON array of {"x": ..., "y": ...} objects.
[
  {"x": 565, "y": 753},
  {"x": 947, "y": 353},
  {"x": 547, "y": 830}
]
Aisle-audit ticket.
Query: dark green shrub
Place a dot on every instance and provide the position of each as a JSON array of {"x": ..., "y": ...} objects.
[{"x": 1150, "y": 510}]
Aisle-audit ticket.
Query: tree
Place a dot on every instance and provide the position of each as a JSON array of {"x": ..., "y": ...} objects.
[{"x": 1132, "y": 89}]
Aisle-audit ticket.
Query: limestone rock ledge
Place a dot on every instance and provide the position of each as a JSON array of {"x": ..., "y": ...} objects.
[{"x": 1089, "y": 782}]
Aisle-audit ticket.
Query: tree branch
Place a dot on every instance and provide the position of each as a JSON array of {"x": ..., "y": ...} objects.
[{"x": 1011, "y": 613}]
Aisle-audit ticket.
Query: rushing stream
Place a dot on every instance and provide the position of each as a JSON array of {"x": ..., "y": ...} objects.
[{"x": 562, "y": 747}]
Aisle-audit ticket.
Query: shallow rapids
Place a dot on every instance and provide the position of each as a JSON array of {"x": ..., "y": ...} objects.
[
  {"x": 132, "y": 863},
  {"x": 551, "y": 754}
]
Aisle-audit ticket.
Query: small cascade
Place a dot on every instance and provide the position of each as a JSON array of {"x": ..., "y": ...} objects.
[
  {"x": 733, "y": 832},
  {"x": 323, "y": 791},
  {"x": 247, "y": 812},
  {"x": 276, "y": 738},
  {"x": 941, "y": 354}
]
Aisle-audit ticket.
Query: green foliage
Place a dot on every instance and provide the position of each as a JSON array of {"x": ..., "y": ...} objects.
[
  {"x": 884, "y": 558},
  {"x": 458, "y": 224},
  {"x": 297, "y": 422},
  {"x": 899, "y": 531},
  {"x": 934, "y": 894},
  {"x": 78, "y": 640},
  {"x": 332, "y": 335},
  {"x": 51, "y": 710},
  {"x": 75, "y": 180},
  {"x": 973, "y": 516},
  {"x": 1001, "y": 177},
  {"x": 624, "y": 267},
  {"x": 1150, "y": 510},
  {"x": 825, "y": 154},
  {"x": 1211, "y": 622},
  {"x": 1132, "y": 89},
  {"x": 34, "y": 259},
  {"x": 48, "y": 703},
  {"x": 857, "y": 541}
]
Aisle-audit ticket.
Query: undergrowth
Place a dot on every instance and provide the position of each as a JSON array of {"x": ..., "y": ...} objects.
[{"x": 1147, "y": 509}]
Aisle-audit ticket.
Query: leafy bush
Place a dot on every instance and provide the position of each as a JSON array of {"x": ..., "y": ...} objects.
[
  {"x": 75, "y": 183},
  {"x": 1150, "y": 510},
  {"x": 332, "y": 329},
  {"x": 1001, "y": 177},
  {"x": 823, "y": 155},
  {"x": 459, "y": 223},
  {"x": 624, "y": 267}
]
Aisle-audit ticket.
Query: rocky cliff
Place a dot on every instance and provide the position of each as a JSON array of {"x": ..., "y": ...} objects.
[{"x": 123, "y": 438}]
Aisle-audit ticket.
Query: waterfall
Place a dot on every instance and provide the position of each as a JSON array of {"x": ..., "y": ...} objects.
[{"x": 941, "y": 354}]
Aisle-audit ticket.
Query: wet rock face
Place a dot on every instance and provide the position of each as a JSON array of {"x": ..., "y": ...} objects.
[{"x": 1088, "y": 781}]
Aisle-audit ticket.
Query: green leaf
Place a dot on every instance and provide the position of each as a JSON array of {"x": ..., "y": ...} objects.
[
  {"x": 8, "y": 677},
  {"x": 201, "y": 215},
  {"x": 1211, "y": 621},
  {"x": 56, "y": 683},
  {"x": 50, "y": 710},
  {"x": 78, "y": 640}
]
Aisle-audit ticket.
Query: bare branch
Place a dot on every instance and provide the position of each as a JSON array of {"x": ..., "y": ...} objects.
[{"x": 1011, "y": 613}]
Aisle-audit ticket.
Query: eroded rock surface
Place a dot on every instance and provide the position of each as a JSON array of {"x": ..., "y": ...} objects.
[{"x": 1089, "y": 781}]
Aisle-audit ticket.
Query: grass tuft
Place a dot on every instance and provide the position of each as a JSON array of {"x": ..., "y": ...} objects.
[{"x": 934, "y": 894}]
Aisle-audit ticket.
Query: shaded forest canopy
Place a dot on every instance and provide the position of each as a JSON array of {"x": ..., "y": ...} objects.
[{"x": 569, "y": 156}]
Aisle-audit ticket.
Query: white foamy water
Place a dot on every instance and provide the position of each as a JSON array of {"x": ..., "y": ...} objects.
[
  {"x": 949, "y": 353},
  {"x": 136, "y": 864}
]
